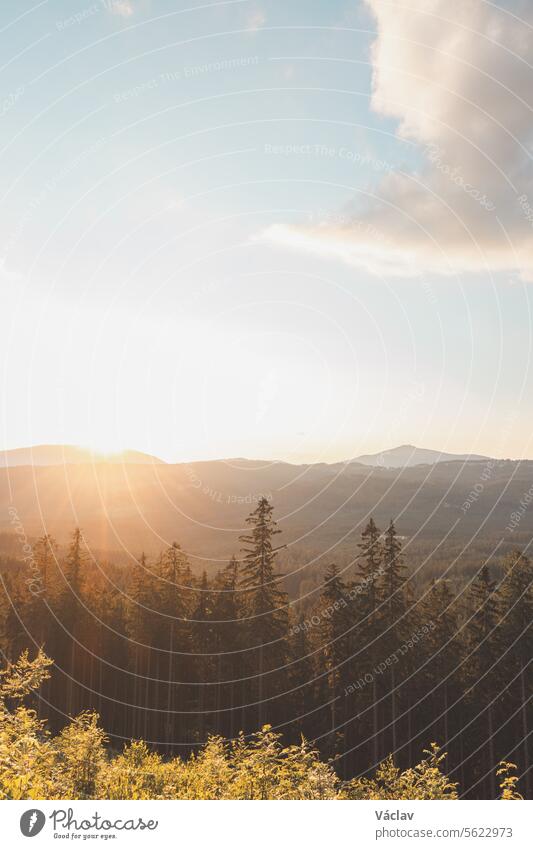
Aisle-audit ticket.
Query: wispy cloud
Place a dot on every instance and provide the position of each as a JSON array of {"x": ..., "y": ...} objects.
[{"x": 457, "y": 79}]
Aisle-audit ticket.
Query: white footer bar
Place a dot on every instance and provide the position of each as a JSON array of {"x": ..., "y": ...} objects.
[{"x": 267, "y": 825}]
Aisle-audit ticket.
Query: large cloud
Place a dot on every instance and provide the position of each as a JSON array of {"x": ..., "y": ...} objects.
[{"x": 456, "y": 75}]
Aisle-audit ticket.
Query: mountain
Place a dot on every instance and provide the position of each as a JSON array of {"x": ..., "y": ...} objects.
[
  {"x": 405, "y": 456},
  {"x": 321, "y": 508},
  {"x": 57, "y": 455}
]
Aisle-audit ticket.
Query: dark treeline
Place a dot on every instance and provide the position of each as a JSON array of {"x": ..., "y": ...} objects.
[{"x": 371, "y": 667}]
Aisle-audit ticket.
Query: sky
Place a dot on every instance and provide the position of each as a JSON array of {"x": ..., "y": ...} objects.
[{"x": 293, "y": 231}]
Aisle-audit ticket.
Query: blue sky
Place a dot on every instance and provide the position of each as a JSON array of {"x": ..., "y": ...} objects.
[{"x": 199, "y": 257}]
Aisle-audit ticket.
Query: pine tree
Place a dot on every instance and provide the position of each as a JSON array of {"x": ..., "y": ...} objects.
[
  {"x": 139, "y": 626},
  {"x": 227, "y": 629},
  {"x": 42, "y": 588},
  {"x": 173, "y": 631},
  {"x": 444, "y": 670},
  {"x": 71, "y": 615},
  {"x": 369, "y": 572},
  {"x": 393, "y": 585},
  {"x": 203, "y": 645},
  {"x": 516, "y": 599},
  {"x": 46, "y": 558},
  {"x": 258, "y": 577},
  {"x": 301, "y": 679},
  {"x": 368, "y": 618},
  {"x": 75, "y": 562},
  {"x": 333, "y": 612},
  {"x": 266, "y": 615},
  {"x": 483, "y": 646},
  {"x": 226, "y": 607},
  {"x": 393, "y": 575}
]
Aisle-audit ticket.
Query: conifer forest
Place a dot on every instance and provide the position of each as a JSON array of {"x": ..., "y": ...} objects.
[{"x": 155, "y": 681}]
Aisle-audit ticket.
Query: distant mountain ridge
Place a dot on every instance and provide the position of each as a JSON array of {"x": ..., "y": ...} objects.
[
  {"x": 135, "y": 507},
  {"x": 58, "y": 455},
  {"x": 403, "y": 456},
  {"x": 406, "y": 456}
]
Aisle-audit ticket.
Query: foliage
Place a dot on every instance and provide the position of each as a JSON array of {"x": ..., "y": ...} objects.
[
  {"x": 77, "y": 765},
  {"x": 371, "y": 661},
  {"x": 508, "y": 781},
  {"x": 424, "y": 781},
  {"x": 79, "y": 757},
  {"x": 26, "y": 755}
]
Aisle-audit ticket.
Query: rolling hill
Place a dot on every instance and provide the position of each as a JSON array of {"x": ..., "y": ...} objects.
[
  {"x": 56, "y": 455},
  {"x": 129, "y": 507},
  {"x": 410, "y": 455}
]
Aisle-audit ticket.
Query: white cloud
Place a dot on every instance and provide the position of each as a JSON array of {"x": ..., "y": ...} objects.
[{"x": 456, "y": 77}]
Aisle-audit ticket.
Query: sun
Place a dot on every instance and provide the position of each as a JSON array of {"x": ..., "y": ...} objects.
[{"x": 103, "y": 447}]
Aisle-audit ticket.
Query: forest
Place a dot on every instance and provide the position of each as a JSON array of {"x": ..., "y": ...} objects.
[{"x": 169, "y": 680}]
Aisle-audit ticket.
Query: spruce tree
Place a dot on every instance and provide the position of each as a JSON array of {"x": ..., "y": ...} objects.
[
  {"x": 516, "y": 598},
  {"x": 369, "y": 571},
  {"x": 266, "y": 614},
  {"x": 140, "y": 630},
  {"x": 444, "y": 671},
  {"x": 258, "y": 577},
  {"x": 368, "y": 619},
  {"x": 483, "y": 646},
  {"x": 202, "y": 644},
  {"x": 393, "y": 585},
  {"x": 174, "y": 635},
  {"x": 393, "y": 578},
  {"x": 301, "y": 679},
  {"x": 46, "y": 558},
  {"x": 228, "y": 640},
  {"x": 333, "y": 612},
  {"x": 72, "y": 614}
]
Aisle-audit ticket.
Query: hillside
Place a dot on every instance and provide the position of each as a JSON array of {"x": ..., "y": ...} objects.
[
  {"x": 410, "y": 455},
  {"x": 319, "y": 507},
  {"x": 55, "y": 455}
]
